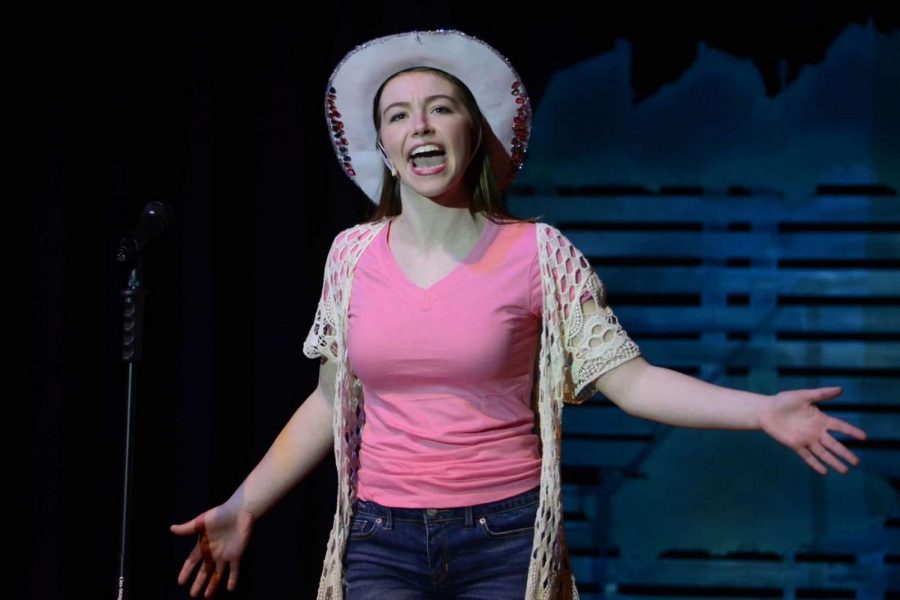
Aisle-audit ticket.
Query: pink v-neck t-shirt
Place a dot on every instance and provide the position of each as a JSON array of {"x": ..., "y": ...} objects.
[{"x": 447, "y": 373}]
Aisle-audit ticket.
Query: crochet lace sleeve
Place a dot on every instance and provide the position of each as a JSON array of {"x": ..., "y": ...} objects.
[
  {"x": 322, "y": 338},
  {"x": 594, "y": 341}
]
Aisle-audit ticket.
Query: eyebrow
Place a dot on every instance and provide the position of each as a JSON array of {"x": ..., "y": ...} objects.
[{"x": 427, "y": 100}]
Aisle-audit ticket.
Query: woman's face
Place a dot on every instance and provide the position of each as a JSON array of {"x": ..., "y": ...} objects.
[{"x": 426, "y": 131}]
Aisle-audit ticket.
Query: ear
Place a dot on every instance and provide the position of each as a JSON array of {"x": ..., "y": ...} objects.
[{"x": 386, "y": 160}]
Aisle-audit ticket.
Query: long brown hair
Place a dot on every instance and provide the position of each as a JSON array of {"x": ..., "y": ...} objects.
[{"x": 479, "y": 177}]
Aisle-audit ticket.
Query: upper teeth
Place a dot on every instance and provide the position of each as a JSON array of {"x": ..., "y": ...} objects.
[{"x": 425, "y": 148}]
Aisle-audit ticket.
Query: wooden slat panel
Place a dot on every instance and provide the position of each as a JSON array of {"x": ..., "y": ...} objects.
[
  {"x": 609, "y": 594},
  {"x": 584, "y": 421},
  {"x": 757, "y": 319},
  {"x": 870, "y": 392},
  {"x": 738, "y": 244},
  {"x": 882, "y": 461},
  {"x": 708, "y": 208},
  {"x": 719, "y": 572},
  {"x": 579, "y": 498},
  {"x": 765, "y": 229},
  {"x": 600, "y": 420},
  {"x": 881, "y": 355},
  {"x": 580, "y": 452},
  {"x": 891, "y": 540},
  {"x": 656, "y": 280},
  {"x": 579, "y": 534},
  {"x": 657, "y": 596}
]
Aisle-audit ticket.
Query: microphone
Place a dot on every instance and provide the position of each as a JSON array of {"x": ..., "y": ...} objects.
[{"x": 155, "y": 220}]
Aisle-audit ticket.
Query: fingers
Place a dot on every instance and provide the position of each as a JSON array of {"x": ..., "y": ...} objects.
[
  {"x": 209, "y": 575},
  {"x": 233, "y": 576},
  {"x": 826, "y": 393},
  {"x": 195, "y": 525},
  {"x": 215, "y": 571},
  {"x": 203, "y": 572},
  {"x": 201, "y": 554},
  {"x": 186, "y": 528},
  {"x": 218, "y": 571},
  {"x": 189, "y": 564},
  {"x": 209, "y": 565},
  {"x": 812, "y": 462},
  {"x": 844, "y": 427},
  {"x": 827, "y": 457},
  {"x": 207, "y": 572},
  {"x": 835, "y": 447},
  {"x": 828, "y": 451}
]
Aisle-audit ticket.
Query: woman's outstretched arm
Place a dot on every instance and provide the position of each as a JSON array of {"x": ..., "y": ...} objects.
[
  {"x": 299, "y": 448},
  {"x": 224, "y": 530},
  {"x": 790, "y": 417}
]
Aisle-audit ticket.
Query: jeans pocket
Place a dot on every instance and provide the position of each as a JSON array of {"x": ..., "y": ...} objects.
[
  {"x": 363, "y": 526},
  {"x": 510, "y": 522}
]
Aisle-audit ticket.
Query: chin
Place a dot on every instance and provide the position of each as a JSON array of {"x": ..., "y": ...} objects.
[{"x": 438, "y": 193}]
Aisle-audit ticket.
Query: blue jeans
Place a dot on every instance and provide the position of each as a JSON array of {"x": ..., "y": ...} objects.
[{"x": 479, "y": 552}]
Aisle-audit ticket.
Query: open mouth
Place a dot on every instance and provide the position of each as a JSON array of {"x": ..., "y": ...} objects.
[{"x": 429, "y": 155}]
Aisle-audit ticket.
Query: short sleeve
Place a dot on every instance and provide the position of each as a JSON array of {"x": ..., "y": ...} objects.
[
  {"x": 321, "y": 341},
  {"x": 593, "y": 340}
]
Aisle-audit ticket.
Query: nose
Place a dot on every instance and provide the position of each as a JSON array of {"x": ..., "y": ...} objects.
[{"x": 420, "y": 123}]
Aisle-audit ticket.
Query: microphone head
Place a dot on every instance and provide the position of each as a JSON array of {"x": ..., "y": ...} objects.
[
  {"x": 159, "y": 217},
  {"x": 156, "y": 219}
]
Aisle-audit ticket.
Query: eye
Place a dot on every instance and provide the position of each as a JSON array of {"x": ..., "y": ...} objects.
[
  {"x": 396, "y": 116},
  {"x": 442, "y": 109}
]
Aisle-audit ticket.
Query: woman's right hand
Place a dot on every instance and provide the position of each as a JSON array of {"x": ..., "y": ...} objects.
[
  {"x": 225, "y": 529},
  {"x": 223, "y": 536}
]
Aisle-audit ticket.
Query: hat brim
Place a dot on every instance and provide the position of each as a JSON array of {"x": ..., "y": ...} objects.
[{"x": 490, "y": 77}]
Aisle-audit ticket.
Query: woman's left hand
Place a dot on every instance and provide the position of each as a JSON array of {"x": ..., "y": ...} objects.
[{"x": 793, "y": 419}]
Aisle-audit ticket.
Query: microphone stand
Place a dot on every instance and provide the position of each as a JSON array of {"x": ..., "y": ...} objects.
[
  {"x": 133, "y": 297},
  {"x": 156, "y": 218}
]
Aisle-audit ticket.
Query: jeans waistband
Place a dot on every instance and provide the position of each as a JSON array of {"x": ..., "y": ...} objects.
[{"x": 467, "y": 513}]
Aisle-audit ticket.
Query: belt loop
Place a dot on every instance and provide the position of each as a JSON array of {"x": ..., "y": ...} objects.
[
  {"x": 469, "y": 520},
  {"x": 388, "y": 518}
]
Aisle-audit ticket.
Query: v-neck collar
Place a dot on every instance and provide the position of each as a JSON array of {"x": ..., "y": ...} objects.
[{"x": 426, "y": 297}]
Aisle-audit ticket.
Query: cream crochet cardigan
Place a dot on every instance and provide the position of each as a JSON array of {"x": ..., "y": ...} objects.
[{"x": 575, "y": 349}]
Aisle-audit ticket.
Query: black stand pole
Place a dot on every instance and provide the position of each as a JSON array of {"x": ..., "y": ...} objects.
[
  {"x": 132, "y": 353},
  {"x": 156, "y": 218}
]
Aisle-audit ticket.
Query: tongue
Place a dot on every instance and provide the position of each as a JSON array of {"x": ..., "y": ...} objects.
[{"x": 428, "y": 161}]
